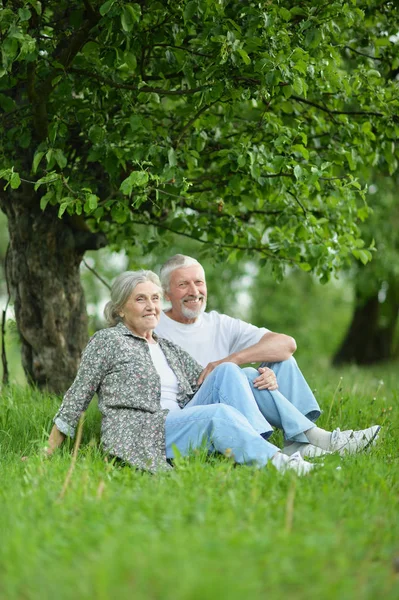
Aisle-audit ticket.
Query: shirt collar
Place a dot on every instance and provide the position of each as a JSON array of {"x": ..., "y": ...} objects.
[{"x": 126, "y": 331}]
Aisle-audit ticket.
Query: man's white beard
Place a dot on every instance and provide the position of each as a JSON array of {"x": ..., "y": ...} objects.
[{"x": 190, "y": 313}]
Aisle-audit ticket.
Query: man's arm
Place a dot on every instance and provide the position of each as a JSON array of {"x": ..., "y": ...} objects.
[{"x": 272, "y": 347}]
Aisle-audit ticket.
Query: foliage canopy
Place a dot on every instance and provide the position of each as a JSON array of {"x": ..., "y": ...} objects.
[{"x": 240, "y": 124}]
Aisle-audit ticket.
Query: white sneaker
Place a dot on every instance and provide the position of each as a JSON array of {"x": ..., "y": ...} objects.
[
  {"x": 350, "y": 442},
  {"x": 305, "y": 450},
  {"x": 295, "y": 463}
]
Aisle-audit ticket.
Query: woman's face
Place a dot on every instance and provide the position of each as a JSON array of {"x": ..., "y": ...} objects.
[{"x": 141, "y": 311}]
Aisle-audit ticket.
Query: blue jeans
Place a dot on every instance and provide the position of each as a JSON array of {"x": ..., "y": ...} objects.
[
  {"x": 227, "y": 415},
  {"x": 293, "y": 386}
]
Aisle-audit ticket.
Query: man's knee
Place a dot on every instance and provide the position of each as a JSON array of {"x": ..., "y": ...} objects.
[
  {"x": 228, "y": 368},
  {"x": 290, "y": 363},
  {"x": 250, "y": 373}
]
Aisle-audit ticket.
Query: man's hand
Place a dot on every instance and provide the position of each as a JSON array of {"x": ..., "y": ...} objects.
[
  {"x": 267, "y": 380},
  {"x": 208, "y": 369}
]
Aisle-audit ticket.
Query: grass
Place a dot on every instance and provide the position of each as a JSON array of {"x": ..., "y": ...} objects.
[{"x": 208, "y": 529}]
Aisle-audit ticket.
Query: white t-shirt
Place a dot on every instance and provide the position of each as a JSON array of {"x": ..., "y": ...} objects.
[
  {"x": 212, "y": 337},
  {"x": 169, "y": 384}
]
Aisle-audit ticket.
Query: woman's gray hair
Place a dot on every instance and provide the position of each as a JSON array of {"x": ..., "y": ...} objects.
[
  {"x": 121, "y": 290},
  {"x": 178, "y": 261}
]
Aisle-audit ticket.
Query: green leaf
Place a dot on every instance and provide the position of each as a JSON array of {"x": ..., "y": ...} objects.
[
  {"x": 172, "y": 157},
  {"x": 136, "y": 122},
  {"x": 37, "y": 6},
  {"x": 312, "y": 38},
  {"x": 135, "y": 179},
  {"x": 104, "y": 8},
  {"x": 24, "y": 14},
  {"x": 130, "y": 16},
  {"x": 297, "y": 171},
  {"x": 96, "y": 134},
  {"x": 285, "y": 14},
  {"x": 244, "y": 56},
  {"x": 302, "y": 150},
  {"x": 363, "y": 255},
  {"x": 36, "y": 160},
  {"x": 60, "y": 158},
  {"x": 44, "y": 200},
  {"x": 92, "y": 200},
  {"x": 51, "y": 177},
  {"x": 63, "y": 207},
  {"x": 130, "y": 60},
  {"x": 119, "y": 213},
  {"x": 15, "y": 181},
  {"x": 7, "y": 103},
  {"x": 305, "y": 266},
  {"x": 190, "y": 10}
]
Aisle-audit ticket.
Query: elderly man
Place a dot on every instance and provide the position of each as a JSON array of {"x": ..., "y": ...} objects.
[{"x": 213, "y": 338}]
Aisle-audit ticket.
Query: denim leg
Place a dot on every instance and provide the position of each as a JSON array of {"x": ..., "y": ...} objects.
[
  {"x": 222, "y": 427},
  {"x": 227, "y": 384},
  {"x": 293, "y": 386},
  {"x": 279, "y": 411}
]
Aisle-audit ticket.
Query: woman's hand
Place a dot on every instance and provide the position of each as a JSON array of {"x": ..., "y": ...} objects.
[
  {"x": 208, "y": 369},
  {"x": 267, "y": 380},
  {"x": 55, "y": 440}
]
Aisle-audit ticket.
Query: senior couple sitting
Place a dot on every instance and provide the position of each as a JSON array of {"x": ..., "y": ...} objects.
[{"x": 154, "y": 396}]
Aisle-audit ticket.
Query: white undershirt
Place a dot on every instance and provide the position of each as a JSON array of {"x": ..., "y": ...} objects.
[{"x": 169, "y": 384}]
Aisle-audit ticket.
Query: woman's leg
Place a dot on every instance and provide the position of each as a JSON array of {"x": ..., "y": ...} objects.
[{"x": 223, "y": 428}]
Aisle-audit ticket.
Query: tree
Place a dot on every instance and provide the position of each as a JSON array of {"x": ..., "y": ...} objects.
[
  {"x": 370, "y": 337},
  {"x": 240, "y": 124}
]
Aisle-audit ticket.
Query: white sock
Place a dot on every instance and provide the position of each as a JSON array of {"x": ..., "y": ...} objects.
[{"x": 319, "y": 437}]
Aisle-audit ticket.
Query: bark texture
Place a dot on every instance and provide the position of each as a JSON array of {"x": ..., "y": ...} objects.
[
  {"x": 43, "y": 274},
  {"x": 371, "y": 333}
]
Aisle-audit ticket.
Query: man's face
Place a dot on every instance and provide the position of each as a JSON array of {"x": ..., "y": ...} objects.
[{"x": 187, "y": 293}]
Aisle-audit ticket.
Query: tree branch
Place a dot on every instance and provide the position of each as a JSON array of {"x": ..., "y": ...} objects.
[
  {"x": 135, "y": 88},
  {"x": 193, "y": 119},
  {"x": 299, "y": 202},
  {"x": 96, "y": 274},
  {"x": 363, "y": 54},
  {"x": 337, "y": 112},
  {"x": 260, "y": 250},
  {"x": 182, "y": 48}
]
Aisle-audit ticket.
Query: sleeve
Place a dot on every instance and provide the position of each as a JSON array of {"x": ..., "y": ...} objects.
[
  {"x": 91, "y": 371},
  {"x": 241, "y": 335}
]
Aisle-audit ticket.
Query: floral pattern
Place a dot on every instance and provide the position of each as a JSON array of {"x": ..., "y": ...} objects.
[{"x": 117, "y": 366}]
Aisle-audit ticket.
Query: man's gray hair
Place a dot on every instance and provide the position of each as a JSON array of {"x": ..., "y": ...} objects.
[
  {"x": 178, "y": 261},
  {"x": 121, "y": 290}
]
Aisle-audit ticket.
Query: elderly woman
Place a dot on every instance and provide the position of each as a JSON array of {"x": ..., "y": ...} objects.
[{"x": 149, "y": 398}]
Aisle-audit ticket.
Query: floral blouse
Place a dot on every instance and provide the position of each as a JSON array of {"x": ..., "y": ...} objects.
[{"x": 117, "y": 365}]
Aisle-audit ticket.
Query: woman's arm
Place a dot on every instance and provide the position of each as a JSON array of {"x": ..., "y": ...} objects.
[
  {"x": 92, "y": 369},
  {"x": 55, "y": 440}
]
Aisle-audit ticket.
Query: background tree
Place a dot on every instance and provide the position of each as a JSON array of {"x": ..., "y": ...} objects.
[
  {"x": 371, "y": 336},
  {"x": 241, "y": 125}
]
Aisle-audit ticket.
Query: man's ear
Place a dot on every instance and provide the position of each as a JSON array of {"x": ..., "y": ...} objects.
[{"x": 166, "y": 296}]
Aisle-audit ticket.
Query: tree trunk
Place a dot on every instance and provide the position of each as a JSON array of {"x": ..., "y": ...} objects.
[
  {"x": 370, "y": 336},
  {"x": 43, "y": 274}
]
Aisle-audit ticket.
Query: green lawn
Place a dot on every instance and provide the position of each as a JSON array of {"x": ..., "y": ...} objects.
[{"x": 208, "y": 529}]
